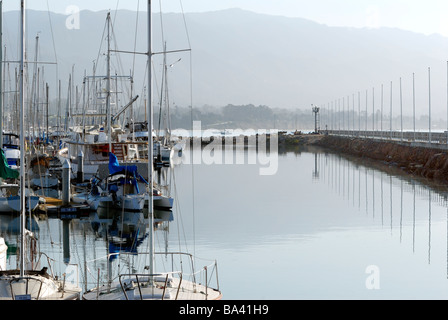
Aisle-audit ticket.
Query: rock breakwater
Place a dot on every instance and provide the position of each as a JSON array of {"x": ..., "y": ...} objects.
[{"x": 419, "y": 161}]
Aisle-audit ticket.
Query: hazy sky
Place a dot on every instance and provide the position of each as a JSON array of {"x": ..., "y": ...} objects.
[{"x": 416, "y": 15}]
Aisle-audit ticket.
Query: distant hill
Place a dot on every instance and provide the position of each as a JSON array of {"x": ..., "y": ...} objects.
[{"x": 240, "y": 57}]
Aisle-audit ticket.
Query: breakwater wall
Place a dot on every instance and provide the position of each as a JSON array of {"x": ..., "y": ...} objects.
[
  {"x": 419, "y": 159},
  {"x": 282, "y": 139},
  {"x": 423, "y": 162}
]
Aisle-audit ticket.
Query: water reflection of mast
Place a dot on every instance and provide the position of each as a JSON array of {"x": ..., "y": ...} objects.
[
  {"x": 367, "y": 196},
  {"x": 413, "y": 221},
  {"x": 390, "y": 184},
  {"x": 316, "y": 168},
  {"x": 334, "y": 177},
  {"x": 382, "y": 207},
  {"x": 84, "y": 240},
  {"x": 353, "y": 198},
  {"x": 339, "y": 175},
  {"x": 373, "y": 194},
  {"x": 66, "y": 240},
  {"x": 359, "y": 189},
  {"x": 401, "y": 212},
  {"x": 330, "y": 173},
  {"x": 347, "y": 164},
  {"x": 343, "y": 179},
  {"x": 429, "y": 228}
]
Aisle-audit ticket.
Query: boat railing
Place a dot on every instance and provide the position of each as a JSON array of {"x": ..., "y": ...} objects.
[
  {"x": 20, "y": 292},
  {"x": 207, "y": 275},
  {"x": 145, "y": 279},
  {"x": 175, "y": 264}
]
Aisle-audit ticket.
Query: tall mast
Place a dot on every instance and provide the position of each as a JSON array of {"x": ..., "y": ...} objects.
[
  {"x": 22, "y": 139},
  {"x": 34, "y": 92},
  {"x": 47, "y": 90},
  {"x": 108, "y": 112},
  {"x": 150, "y": 145}
]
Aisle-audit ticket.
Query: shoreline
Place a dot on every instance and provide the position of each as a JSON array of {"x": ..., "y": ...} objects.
[{"x": 422, "y": 162}]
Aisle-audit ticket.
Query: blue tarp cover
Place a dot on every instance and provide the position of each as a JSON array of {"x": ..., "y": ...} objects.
[{"x": 114, "y": 166}]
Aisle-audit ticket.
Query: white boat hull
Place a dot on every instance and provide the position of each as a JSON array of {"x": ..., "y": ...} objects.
[
  {"x": 174, "y": 290},
  {"x": 13, "y": 157},
  {"x": 160, "y": 203},
  {"x": 132, "y": 202},
  {"x": 35, "y": 287}
]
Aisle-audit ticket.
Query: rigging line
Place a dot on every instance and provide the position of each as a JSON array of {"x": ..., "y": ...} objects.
[
  {"x": 8, "y": 37},
  {"x": 99, "y": 51},
  {"x": 161, "y": 23},
  {"x": 156, "y": 82},
  {"x": 143, "y": 94},
  {"x": 131, "y": 113},
  {"x": 191, "y": 116},
  {"x": 179, "y": 214},
  {"x": 161, "y": 89},
  {"x": 52, "y": 38},
  {"x": 143, "y": 101},
  {"x": 116, "y": 12},
  {"x": 192, "y": 166},
  {"x": 185, "y": 23},
  {"x": 119, "y": 64},
  {"x": 135, "y": 38}
]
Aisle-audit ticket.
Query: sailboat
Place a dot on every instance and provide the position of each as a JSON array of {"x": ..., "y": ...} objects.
[
  {"x": 150, "y": 284},
  {"x": 97, "y": 140},
  {"x": 31, "y": 281},
  {"x": 120, "y": 192},
  {"x": 162, "y": 146},
  {"x": 11, "y": 149},
  {"x": 10, "y": 192}
]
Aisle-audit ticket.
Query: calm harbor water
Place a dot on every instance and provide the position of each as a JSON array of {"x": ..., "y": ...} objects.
[{"x": 322, "y": 227}]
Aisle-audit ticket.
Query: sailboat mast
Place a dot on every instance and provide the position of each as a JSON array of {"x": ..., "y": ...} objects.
[
  {"x": 22, "y": 139},
  {"x": 150, "y": 145},
  {"x": 109, "y": 125}
]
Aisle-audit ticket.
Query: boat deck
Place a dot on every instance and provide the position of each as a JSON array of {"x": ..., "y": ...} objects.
[{"x": 188, "y": 291}]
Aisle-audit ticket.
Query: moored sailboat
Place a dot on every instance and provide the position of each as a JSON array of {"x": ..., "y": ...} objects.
[
  {"x": 31, "y": 281},
  {"x": 119, "y": 192},
  {"x": 147, "y": 283}
]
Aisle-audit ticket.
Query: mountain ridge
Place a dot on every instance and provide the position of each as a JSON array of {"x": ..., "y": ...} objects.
[{"x": 240, "y": 57}]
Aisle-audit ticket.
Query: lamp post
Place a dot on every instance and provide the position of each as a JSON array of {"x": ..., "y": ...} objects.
[{"x": 316, "y": 118}]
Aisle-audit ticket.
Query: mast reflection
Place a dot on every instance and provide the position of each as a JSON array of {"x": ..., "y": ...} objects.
[{"x": 339, "y": 174}]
